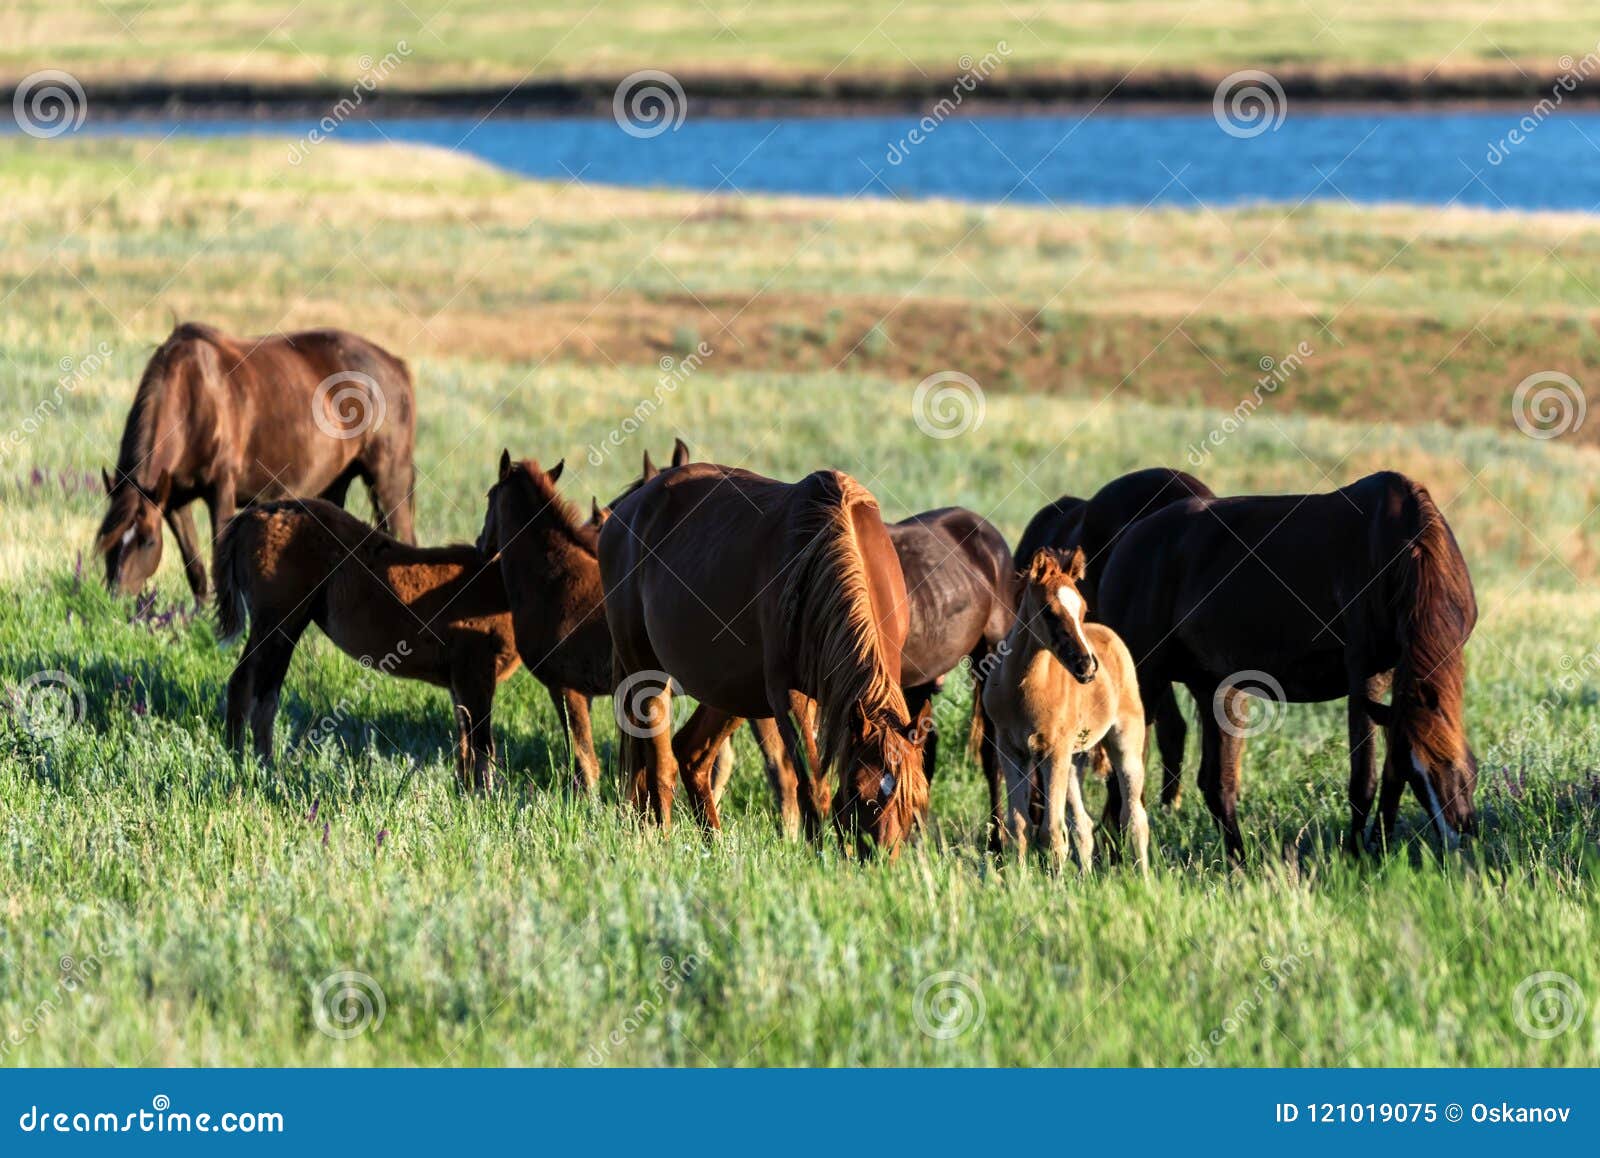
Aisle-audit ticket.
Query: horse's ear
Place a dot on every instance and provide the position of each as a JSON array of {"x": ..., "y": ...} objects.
[
  {"x": 1039, "y": 570},
  {"x": 1077, "y": 564},
  {"x": 555, "y": 471},
  {"x": 649, "y": 470},
  {"x": 163, "y": 489},
  {"x": 105, "y": 478},
  {"x": 598, "y": 514},
  {"x": 505, "y": 464},
  {"x": 680, "y": 452}
]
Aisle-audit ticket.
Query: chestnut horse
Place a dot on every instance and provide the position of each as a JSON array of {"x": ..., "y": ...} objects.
[
  {"x": 1322, "y": 595},
  {"x": 548, "y": 562},
  {"x": 1065, "y": 689},
  {"x": 437, "y": 614},
  {"x": 1097, "y": 525},
  {"x": 232, "y": 421},
  {"x": 764, "y": 599}
]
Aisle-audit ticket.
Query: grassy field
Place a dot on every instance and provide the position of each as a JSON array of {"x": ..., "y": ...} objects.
[
  {"x": 474, "y": 41},
  {"x": 166, "y": 905}
]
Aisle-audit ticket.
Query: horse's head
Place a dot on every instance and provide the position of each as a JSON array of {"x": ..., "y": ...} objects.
[
  {"x": 514, "y": 499},
  {"x": 1056, "y": 610},
  {"x": 680, "y": 456},
  {"x": 885, "y": 787},
  {"x": 1426, "y": 737},
  {"x": 597, "y": 514},
  {"x": 130, "y": 534}
]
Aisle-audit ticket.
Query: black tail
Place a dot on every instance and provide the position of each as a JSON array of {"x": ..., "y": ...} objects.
[{"x": 232, "y": 577}]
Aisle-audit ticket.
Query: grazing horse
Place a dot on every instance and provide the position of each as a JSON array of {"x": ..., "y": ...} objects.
[
  {"x": 764, "y": 599},
  {"x": 962, "y": 589},
  {"x": 1323, "y": 595},
  {"x": 1064, "y": 689},
  {"x": 549, "y": 564},
  {"x": 1097, "y": 525},
  {"x": 437, "y": 614},
  {"x": 232, "y": 421}
]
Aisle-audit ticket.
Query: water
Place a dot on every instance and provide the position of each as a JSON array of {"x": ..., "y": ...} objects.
[{"x": 1421, "y": 157}]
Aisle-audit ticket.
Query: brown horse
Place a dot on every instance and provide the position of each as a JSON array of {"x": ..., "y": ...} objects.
[
  {"x": 1312, "y": 597},
  {"x": 962, "y": 590},
  {"x": 232, "y": 421},
  {"x": 1097, "y": 526},
  {"x": 437, "y": 614},
  {"x": 549, "y": 564},
  {"x": 764, "y": 599}
]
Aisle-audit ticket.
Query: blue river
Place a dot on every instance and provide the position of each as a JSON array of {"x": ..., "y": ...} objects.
[{"x": 1430, "y": 157}]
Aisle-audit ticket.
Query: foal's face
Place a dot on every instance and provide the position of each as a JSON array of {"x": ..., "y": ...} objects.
[
  {"x": 1059, "y": 610},
  {"x": 130, "y": 537}
]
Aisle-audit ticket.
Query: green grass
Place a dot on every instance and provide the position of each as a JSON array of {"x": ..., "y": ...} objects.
[
  {"x": 475, "y": 41},
  {"x": 202, "y": 902}
]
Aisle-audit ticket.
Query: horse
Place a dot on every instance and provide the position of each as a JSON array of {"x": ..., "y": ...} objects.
[
  {"x": 231, "y": 421},
  {"x": 437, "y": 614},
  {"x": 549, "y": 565},
  {"x": 1097, "y": 525},
  {"x": 961, "y": 586},
  {"x": 764, "y": 599},
  {"x": 1063, "y": 690},
  {"x": 1312, "y": 597}
]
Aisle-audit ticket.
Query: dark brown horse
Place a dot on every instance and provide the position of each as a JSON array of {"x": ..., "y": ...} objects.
[
  {"x": 764, "y": 599},
  {"x": 437, "y": 614},
  {"x": 1096, "y": 526},
  {"x": 549, "y": 563},
  {"x": 1319, "y": 596},
  {"x": 962, "y": 589},
  {"x": 231, "y": 421}
]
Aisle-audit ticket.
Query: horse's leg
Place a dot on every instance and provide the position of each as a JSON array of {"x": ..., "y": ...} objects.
[
  {"x": 780, "y": 775},
  {"x": 989, "y": 758},
  {"x": 792, "y": 713},
  {"x": 472, "y": 692},
  {"x": 572, "y": 709},
  {"x": 1124, "y": 744},
  {"x": 632, "y": 756},
  {"x": 915, "y": 698},
  {"x": 1212, "y": 741},
  {"x": 1172, "y": 731},
  {"x": 181, "y": 520},
  {"x": 271, "y": 666},
  {"x": 1057, "y": 778},
  {"x": 722, "y": 770},
  {"x": 222, "y": 505},
  {"x": 391, "y": 488},
  {"x": 338, "y": 489},
  {"x": 1017, "y": 765},
  {"x": 1230, "y": 752},
  {"x": 1389, "y": 795},
  {"x": 695, "y": 749},
  {"x": 663, "y": 782},
  {"x": 1073, "y": 771},
  {"x": 1363, "y": 759},
  {"x": 241, "y": 692}
]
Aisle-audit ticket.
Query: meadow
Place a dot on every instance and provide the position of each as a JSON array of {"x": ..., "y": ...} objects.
[
  {"x": 466, "y": 42},
  {"x": 166, "y": 904}
]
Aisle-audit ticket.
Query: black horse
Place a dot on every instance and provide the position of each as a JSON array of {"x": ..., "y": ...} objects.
[{"x": 1311, "y": 597}]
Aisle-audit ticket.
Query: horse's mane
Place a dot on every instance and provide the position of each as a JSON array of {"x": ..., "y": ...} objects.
[
  {"x": 837, "y": 648},
  {"x": 1438, "y": 611},
  {"x": 565, "y": 514}
]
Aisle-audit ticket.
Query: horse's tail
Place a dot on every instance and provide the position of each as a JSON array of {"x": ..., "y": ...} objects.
[
  {"x": 827, "y": 604},
  {"x": 231, "y": 570},
  {"x": 1437, "y": 612}
]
